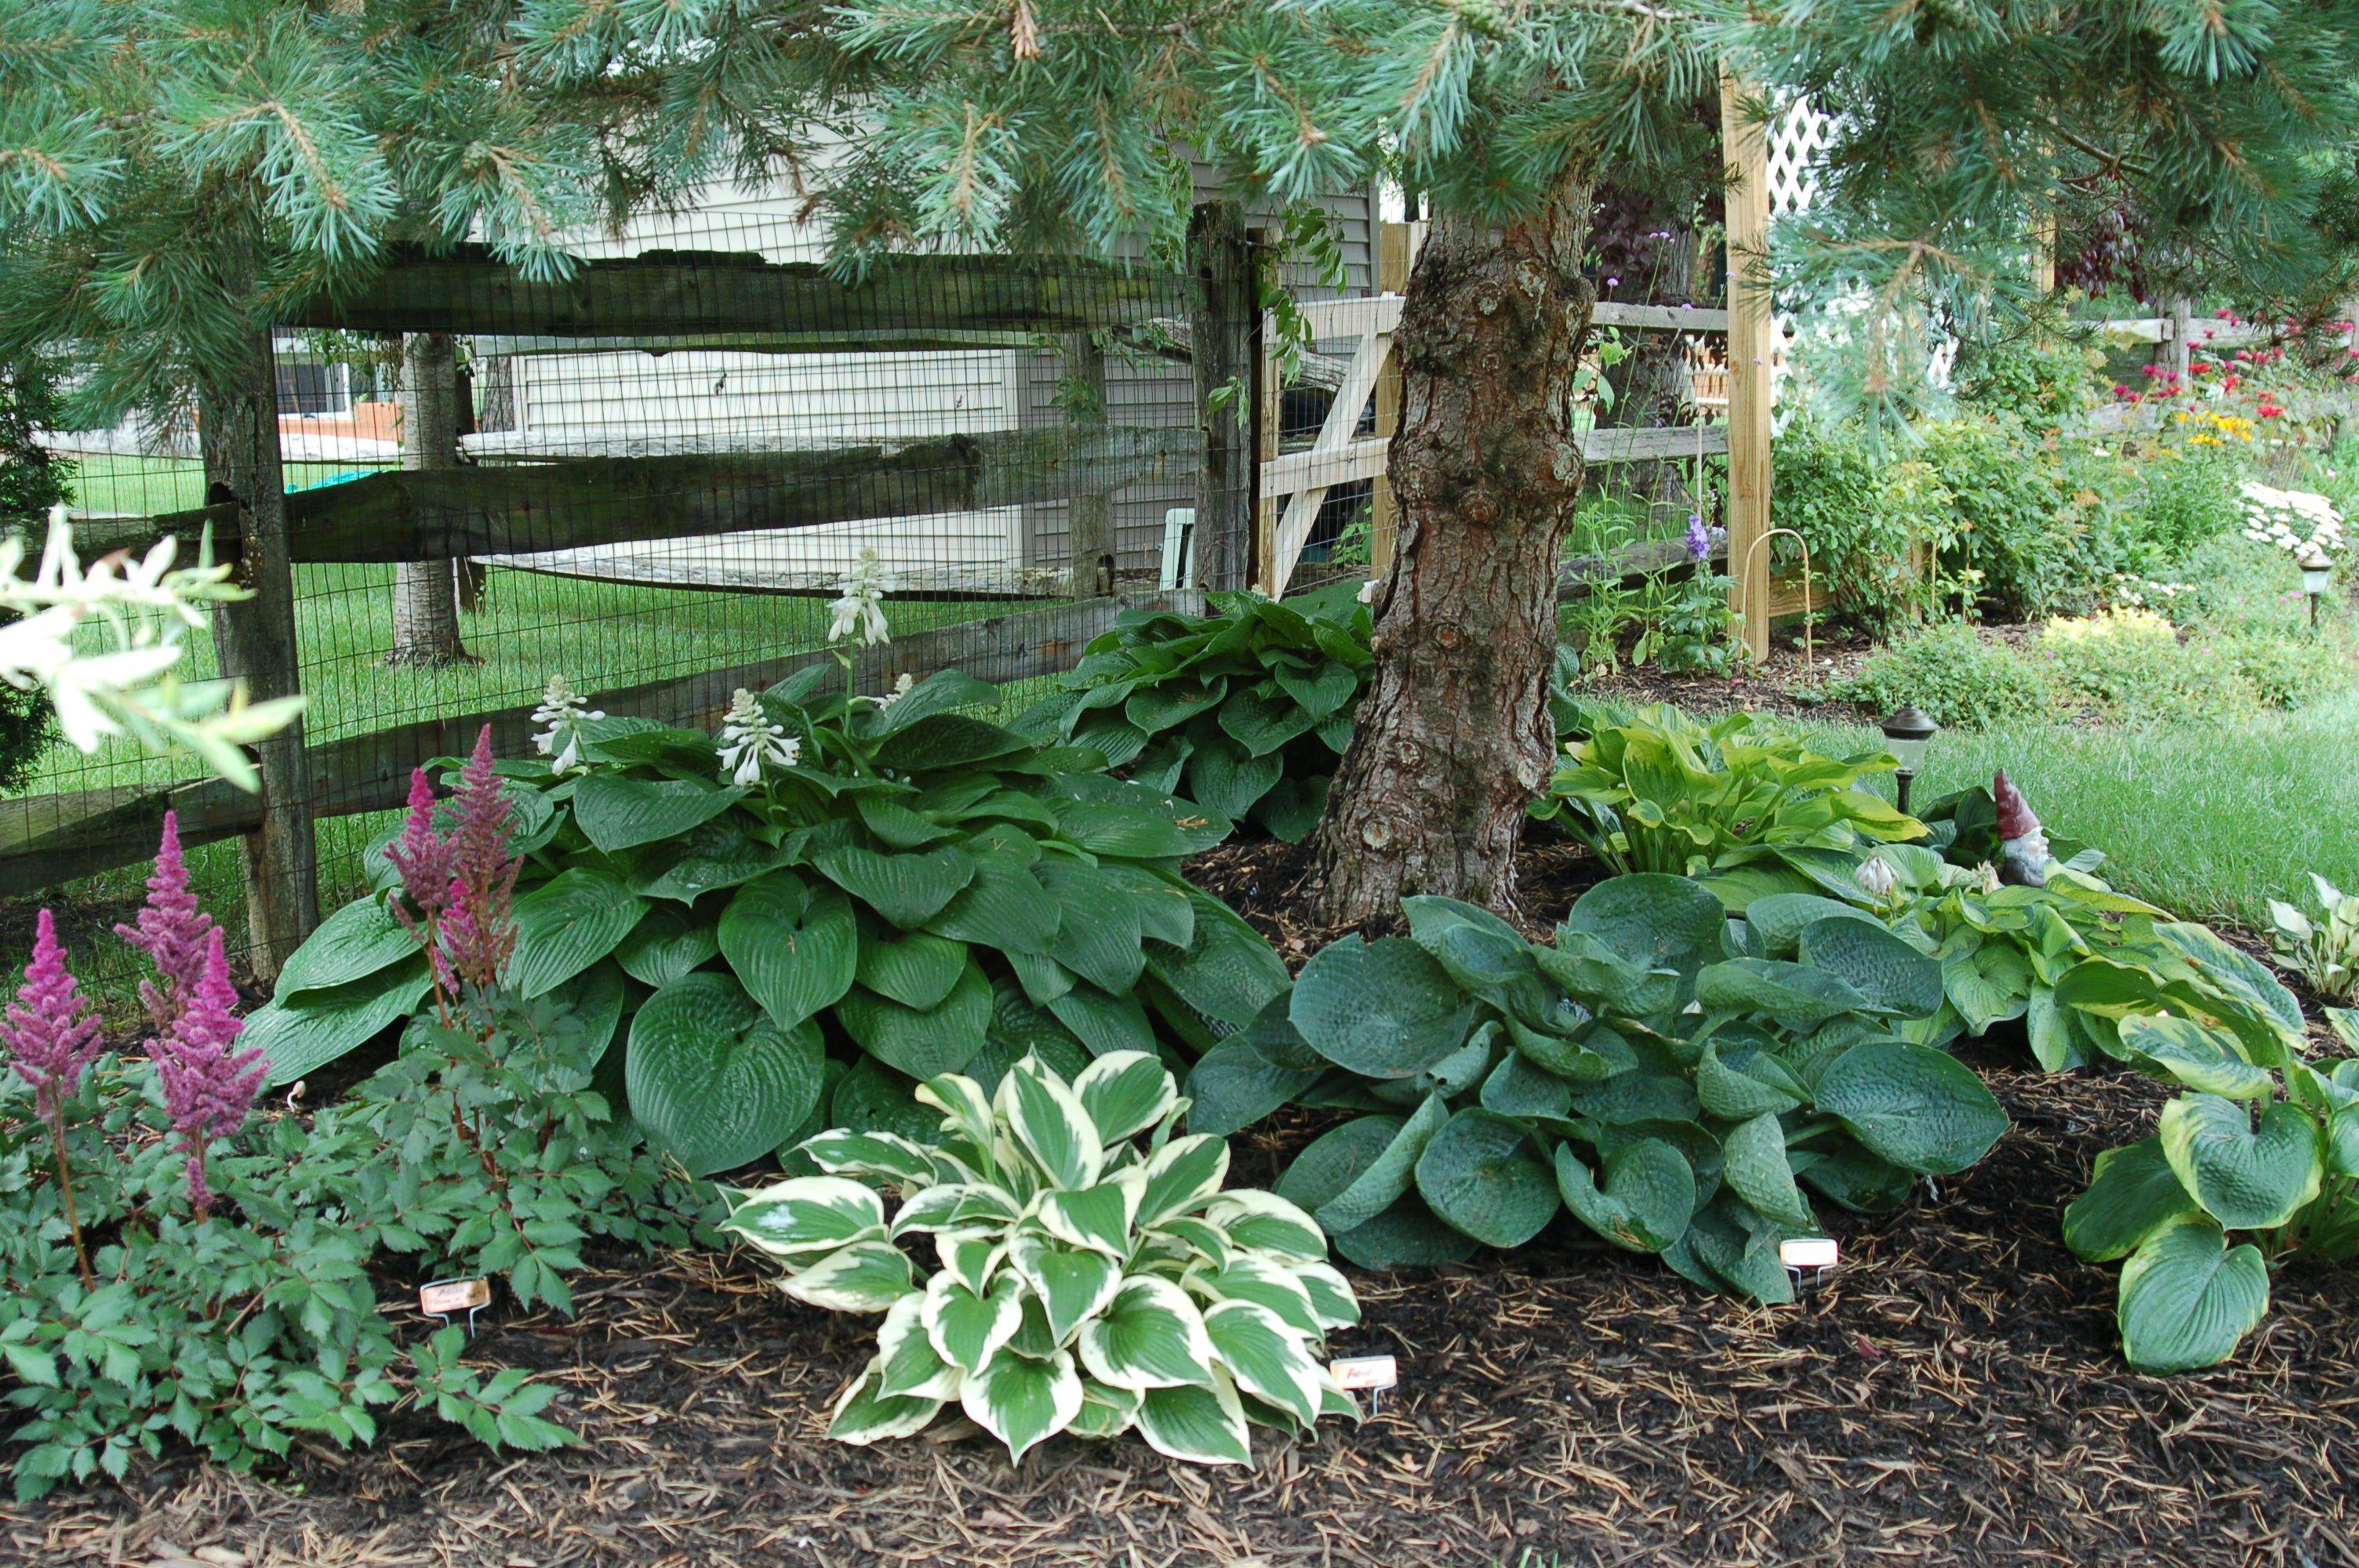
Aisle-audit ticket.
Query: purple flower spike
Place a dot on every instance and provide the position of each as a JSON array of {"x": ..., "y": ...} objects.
[
  {"x": 420, "y": 854},
  {"x": 208, "y": 1087},
  {"x": 1698, "y": 540},
  {"x": 172, "y": 930},
  {"x": 49, "y": 1032}
]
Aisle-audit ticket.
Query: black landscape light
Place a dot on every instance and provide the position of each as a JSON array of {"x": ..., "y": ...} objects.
[{"x": 1908, "y": 732}]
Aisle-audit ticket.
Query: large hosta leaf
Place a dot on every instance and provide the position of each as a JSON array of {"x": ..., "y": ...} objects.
[
  {"x": 1200, "y": 1425},
  {"x": 1876, "y": 964},
  {"x": 714, "y": 1079},
  {"x": 921, "y": 1042},
  {"x": 795, "y": 950},
  {"x": 915, "y": 968},
  {"x": 1794, "y": 994},
  {"x": 1655, "y": 920},
  {"x": 1406, "y": 1235},
  {"x": 357, "y": 941},
  {"x": 2187, "y": 1297},
  {"x": 808, "y": 1216},
  {"x": 1267, "y": 1358},
  {"x": 2195, "y": 1055},
  {"x": 722, "y": 853},
  {"x": 568, "y": 924},
  {"x": 906, "y": 888},
  {"x": 1151, "y": 1335},
  {"x": 2134, "y": 1193},
  {"x": 1645, "y": 1201},
  {"x": 867, "y": 1414},
  {"x": 2246, "y": 1179},
  {"x": 308, "y": 1030},
  {"x": 1917, "y": 1107},
  {"x": 1377, "y": 1171},
  {"x": 1020, "y": 1401},
  {"x": 1382, "y": 1009},
  {"x": 665, "y": 944},
  {"x": 1758, "y": 1169},
  {"x": 618, "y": 812},
  {"x": 1226, "y": 971},
  {"x": 1004, "y": 906},
  {"x": 1484, "y": 1175}
]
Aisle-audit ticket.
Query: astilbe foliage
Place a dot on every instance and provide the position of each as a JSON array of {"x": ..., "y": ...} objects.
[
  {"x": 208, "y": 1085},
  {"x": 172, "y": 931}
]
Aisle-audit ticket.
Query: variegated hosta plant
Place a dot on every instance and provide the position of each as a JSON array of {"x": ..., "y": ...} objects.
[{"x": 1082, "y": 1280}]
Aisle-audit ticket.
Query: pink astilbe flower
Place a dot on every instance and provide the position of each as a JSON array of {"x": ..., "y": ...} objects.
[
  {"x": 208, "y": 1086},
  {"x": 479, "y": 925},
  {"x": 49, "y": 1032},
  {"x": 420, "y": 855},
  {"x": 172, "y": 930}
]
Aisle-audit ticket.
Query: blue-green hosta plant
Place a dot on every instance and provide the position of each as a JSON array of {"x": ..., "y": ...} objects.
[
  {"x": 1680, "y": 1094},
  {"x": 1245, "y": 710},
  {"x": 1661, "y": 793},
  {"x": 787, "y": 927},
  {"x": 2255, "y": 1164},
  {"x": 1058, "y": 1261}
]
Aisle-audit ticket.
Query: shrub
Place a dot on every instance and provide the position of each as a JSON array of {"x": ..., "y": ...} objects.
[
  {"x": 1662, "y": 792},
  {"x": 2014, "y": 525},
  {"x": 2042, "y": 380},
  {"x": 1672, "y": 1089},
  {"x": 836, "y": 898},
  {"x": 1086, "y": 1283},
  {"x": 1243, "y": 712},
  {"x": 1866, "y": 519},
  {"x": 1952, "y": 674},
  {"x": 2186, "y": 497}
]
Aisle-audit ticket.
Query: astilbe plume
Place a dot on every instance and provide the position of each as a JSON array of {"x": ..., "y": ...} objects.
[
  {"x": 422, "y": 858},
  {"x": 479, "y": 926},
  {"x": 172, "y": 930},
  {"x": 208, "y": 1086},
  {"x": 50, "y": 1031}
]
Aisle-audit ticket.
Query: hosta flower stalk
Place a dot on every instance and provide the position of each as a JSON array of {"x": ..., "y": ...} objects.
[
  {"x": 1082, "y": 1280},
  {"x": 752, "y": 742}
]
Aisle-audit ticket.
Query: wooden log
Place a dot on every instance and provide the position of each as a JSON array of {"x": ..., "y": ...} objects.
[
  {"x": 871, "y": 341},
  {"x": 1224, "y": 322},
  {"x": 1744, "y": 142},
  {"x": 1664, "y": 317},
  {"x": 687, "y": 293},
  {"x": 573, "y": 504},
  {"x": 255, "y": 637},
  {"x": 51, "y": 839}
]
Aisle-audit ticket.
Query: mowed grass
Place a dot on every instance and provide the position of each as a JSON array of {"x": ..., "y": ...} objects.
[{"x": 2207, "y": 821}]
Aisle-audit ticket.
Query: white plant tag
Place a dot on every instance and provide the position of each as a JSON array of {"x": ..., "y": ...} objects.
[
  {"x": 1370, "y": 1373},
  {"x": 1808, "y": 1253}
]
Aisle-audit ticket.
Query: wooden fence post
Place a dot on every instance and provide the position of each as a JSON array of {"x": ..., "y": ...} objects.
[
  {"x": 1751, "y": 335},
  {"x": 1089, "y": 518},
  {"x": 238, "y": 429},
  {"x": 1268, "y": 431},
  {"x": 1396, "y": 254},
  {"x": 1225, "y": 335}
]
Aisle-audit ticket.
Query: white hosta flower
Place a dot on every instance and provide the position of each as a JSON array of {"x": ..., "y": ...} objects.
[
  {"x": 1877, "y": 877},
  {"x": 900, "y": 689},
  {"x": 858, "y": 611},
  {"x": 1368, "y": 590},
  {"x": 565, "y": 712},
  {"x": 751, "y": 742}
]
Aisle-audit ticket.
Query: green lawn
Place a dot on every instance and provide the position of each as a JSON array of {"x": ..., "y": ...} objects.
[{"x": 2205, "y": 821}]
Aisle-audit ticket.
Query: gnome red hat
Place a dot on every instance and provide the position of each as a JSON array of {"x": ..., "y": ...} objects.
[{"x": 2015, "y": 814}]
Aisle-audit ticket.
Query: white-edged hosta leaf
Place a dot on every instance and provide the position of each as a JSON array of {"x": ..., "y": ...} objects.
[
  {"x": 1202, "y": 1426},
  {"x": 1072, "y": 1284},
  {"x": 1097, "y": 1217},
  {"x": 865, "y": 1414},
  {"x": 1200, "y": 1237},
  {"x": 1330, "y": 1295},
  {"x": 1020, "y": 1401},
  {"x": 1125, "y": 1092},
  {"x": 1149, "y": 1336},
  {"x": 971, "y": 1256},
  {"x": 841, "y": 1152},
  {"x": 867, "y": 1276},
  {"x": 1249, "y": 1278},
  {"x": 1104, "y": 1412},
  {"x": 954, "y": 1206},
  {"x": 1183, "y": 1176},
  {"x": 1268, "y": 1359},
  {"x": 1334, "y": 1401},
  {"x": 1264, "y": 1222},
  {"x": 808, "y": 1215},
  {"x": 1049, "y": 1119},
  {"x": 908, "y": 1364},
  {"x": 962, "y": 1102},
  {"x": 967, "y": 1328}
]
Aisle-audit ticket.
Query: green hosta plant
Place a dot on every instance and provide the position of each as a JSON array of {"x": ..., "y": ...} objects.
[
  {"x": 1662, "y": 792},
  {"x": 1680, "y": 1094},
  {"x": 1243, "y": 712},
  {"x": 2261, "y": 1145},
  {"x": 1069, "y": 1277},
  {"x": 787, "y": 927},
  {"x": 2325, "y": 950}
]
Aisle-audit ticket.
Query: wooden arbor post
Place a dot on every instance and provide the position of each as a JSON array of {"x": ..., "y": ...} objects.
[
  {"x": 238, "y": 429},
  {"x": 1751, "y": 337}
]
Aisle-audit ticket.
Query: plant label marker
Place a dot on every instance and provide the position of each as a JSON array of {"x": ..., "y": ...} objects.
[
  {"x": 442, "y": 1298},
  {"x": 1373, "y": 1374},
  {"x": 1807, "y": 1257}
]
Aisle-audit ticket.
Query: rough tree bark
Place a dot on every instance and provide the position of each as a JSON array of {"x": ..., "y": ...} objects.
[
  {"x": 1453, "y": 734},
  {"x": 425, "y": 593}
]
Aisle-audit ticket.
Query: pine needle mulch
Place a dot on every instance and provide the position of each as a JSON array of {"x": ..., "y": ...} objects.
[{"x": 1952, "y": 1394}]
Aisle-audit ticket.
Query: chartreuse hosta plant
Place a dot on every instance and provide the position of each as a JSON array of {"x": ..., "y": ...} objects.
[
  {"x": 1047, "y": 1271},
  {"x": 1679, "y": 1094},
  {"x": 2253, "y": 1165},
  {"x": 2324, "y": 948},
  {"x": 1244, "y": 711},
  {"x": 787, "y": 927},
  {"x": 1661, "y": 793}
]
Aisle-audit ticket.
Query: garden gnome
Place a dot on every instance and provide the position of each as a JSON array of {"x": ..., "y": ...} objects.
[{"x": 2023, "y": 857}]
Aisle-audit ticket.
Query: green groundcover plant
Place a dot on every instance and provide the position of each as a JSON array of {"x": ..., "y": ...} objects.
[
  {"x": 1243, "y": 712},
  {"x": 2323, "y": 948},
  {"x": 1661, "y": 793},
  {"x": 1648, "y": 1071},
  {"x": 1084, "y": 1281},
  {"x": 2262, "y": 1144},
  {"x": 174, "y": 1266},
  {"x": 787, "y": 927}
]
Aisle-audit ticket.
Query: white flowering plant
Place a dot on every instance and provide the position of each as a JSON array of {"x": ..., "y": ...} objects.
[
  {"x": 101, "y": 642},
  {"x": 2302, "y": 523},
  {"x": 561, "y": 714}
]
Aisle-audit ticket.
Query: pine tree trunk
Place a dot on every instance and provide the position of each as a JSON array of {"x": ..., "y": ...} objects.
[
  {"x": 425, "y": 593},
  {"x": 1454, "y": 735}
]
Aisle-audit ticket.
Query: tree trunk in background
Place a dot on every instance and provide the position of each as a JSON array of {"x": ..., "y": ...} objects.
[
  {"x": 425, "y": 593},
  {"x": 1088, "y": 518},
  {"x": 1454, "y": 735},
  {"x": 1651, "y": 387},
  {"x": 1224, "y": 326}
]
